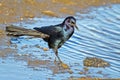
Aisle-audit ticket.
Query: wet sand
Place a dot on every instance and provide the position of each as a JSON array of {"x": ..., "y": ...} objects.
[
  {"x": 16, "y": 10},
  {"x": 26, "y": 62}
]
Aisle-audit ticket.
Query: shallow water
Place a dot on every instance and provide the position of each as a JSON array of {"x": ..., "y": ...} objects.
[{"x": 99, "y": 36}]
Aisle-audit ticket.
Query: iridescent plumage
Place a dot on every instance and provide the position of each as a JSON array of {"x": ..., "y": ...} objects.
[{"x": 58, "y": 33}]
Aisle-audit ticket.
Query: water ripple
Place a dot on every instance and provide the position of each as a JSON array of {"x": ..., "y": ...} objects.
[{"x": 98, "y": 37}]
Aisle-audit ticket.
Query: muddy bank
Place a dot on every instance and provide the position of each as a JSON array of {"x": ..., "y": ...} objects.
[
  {"x": 16, "y": 10},
  {"x": 31, "y": 59}
]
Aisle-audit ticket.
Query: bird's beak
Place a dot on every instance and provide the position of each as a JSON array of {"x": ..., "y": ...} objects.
[{"x": 75, "y": 26}]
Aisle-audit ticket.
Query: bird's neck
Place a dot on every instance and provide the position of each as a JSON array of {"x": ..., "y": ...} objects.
[
  {"x": 67, "y": 31},
  {"x": 68, "y": 28}
]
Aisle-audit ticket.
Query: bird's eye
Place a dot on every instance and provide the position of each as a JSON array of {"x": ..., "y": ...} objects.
[{"x": 68, "y": 20}]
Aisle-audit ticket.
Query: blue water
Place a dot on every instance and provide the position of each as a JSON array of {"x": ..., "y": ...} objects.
[{"x": 99, "y": 36}]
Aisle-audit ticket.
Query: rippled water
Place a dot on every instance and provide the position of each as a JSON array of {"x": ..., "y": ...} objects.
[{"x": 99, "y": 36}]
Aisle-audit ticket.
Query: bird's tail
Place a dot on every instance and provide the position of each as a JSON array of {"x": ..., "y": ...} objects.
[
  {"x": 37, "y": 28},
  {"x": 20, "y": 31}
]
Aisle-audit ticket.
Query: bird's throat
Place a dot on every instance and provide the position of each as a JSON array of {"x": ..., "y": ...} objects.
[
  {"x": 68, "y": 28},
  {"x": 67, "y": 31}
]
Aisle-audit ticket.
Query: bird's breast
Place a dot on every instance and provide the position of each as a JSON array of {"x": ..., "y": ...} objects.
[{"x": 67, "y": 33}]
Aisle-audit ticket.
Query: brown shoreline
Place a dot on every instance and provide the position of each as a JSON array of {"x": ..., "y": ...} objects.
[{"x": 16, "y": 10}]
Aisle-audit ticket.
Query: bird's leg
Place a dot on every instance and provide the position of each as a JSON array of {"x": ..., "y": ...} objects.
[
  {"x": 56, "y": 53},
  {"x": 63, "y": 65}
]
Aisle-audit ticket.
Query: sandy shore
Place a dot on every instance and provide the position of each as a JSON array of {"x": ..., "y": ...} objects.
[
  {"x": 15, "y": 10},
  {"x": 18, "y": 10}
]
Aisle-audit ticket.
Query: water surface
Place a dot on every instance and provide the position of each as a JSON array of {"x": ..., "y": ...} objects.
[{"x": 99, "y": 36}]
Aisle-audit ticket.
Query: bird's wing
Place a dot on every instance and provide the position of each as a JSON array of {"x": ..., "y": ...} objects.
[{"x": 50, "y": 30}]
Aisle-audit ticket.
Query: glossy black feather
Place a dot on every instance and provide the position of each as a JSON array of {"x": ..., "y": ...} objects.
[
  {"x": 50, "y": 30},
  {"x": 56, "y": 33}
]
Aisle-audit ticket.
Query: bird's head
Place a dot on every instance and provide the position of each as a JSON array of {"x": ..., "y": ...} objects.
[{"x": 70, "y": 21}]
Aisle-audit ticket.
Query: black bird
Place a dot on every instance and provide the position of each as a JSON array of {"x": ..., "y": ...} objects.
[{"x": 59, "y": 33}]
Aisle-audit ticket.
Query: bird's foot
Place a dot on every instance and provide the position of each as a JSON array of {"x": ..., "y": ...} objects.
[
  {"x": 61, "y": 64},
  {"x": 64, "y": 66}
]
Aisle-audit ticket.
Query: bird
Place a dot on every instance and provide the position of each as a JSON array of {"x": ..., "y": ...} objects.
[{"x": 59, "y": 33}]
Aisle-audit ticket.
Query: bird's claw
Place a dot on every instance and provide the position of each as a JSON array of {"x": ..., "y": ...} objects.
[{"x": 65, "y": 66}]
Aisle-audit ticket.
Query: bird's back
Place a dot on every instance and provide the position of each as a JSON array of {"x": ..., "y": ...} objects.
[
  {"x": 59, "y": 33},
  {"x": 50, "y": 30}
]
